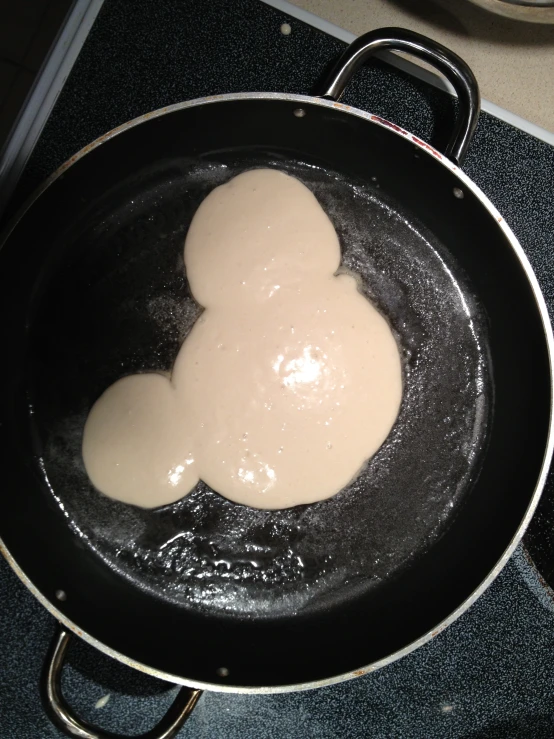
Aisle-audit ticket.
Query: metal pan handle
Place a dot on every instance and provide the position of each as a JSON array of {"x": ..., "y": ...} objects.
[
  {"x": 442, "y": 59},
  {"x": 63, "y": 716}
]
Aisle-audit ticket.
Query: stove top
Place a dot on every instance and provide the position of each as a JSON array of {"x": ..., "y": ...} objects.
[{"x": 489, "y": 674}]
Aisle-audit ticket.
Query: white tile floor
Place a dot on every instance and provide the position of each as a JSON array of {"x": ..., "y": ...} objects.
[{"x": 27, "y": 31}]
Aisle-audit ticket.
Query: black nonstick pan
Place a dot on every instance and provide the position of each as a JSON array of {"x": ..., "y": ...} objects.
[{"x": 206, "y": 592}]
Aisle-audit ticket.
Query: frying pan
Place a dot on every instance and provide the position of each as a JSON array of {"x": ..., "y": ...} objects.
[{"x": 207, "y": 593}]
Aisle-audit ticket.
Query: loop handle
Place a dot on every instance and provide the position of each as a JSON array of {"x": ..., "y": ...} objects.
[
  {"x": 63, "y": 716},
  {"x": 442, "y": 59}
]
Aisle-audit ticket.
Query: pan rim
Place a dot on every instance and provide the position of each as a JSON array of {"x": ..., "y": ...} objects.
[{"x": 428, "y": 150}]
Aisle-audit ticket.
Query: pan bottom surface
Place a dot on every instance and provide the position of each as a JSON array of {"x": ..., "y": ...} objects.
[{"x": 114, "y": 300}]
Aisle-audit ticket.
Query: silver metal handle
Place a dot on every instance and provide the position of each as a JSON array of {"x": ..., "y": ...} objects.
[
  {"x": 61, "y": 713},
  {"x": 442, "y": 59}
]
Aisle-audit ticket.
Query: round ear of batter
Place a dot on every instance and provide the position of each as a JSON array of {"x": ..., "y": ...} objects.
[
  {"x": 252, "y": 234},
  {"x": 135, "y": 444}
]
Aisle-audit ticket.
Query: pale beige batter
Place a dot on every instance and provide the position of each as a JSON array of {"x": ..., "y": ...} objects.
[
  {"x": 136, "y": 447},
  {"x": 289, "y": 381}
]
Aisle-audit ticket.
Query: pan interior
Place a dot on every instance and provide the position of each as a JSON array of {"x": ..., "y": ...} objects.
[{"x": 114, "y": 300}]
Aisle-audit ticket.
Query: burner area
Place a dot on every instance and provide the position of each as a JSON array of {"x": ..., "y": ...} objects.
[{"x": 539, "y": 539}]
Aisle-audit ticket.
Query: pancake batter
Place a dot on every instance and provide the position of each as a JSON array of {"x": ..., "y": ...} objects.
[{"x": 288, "y": 382}]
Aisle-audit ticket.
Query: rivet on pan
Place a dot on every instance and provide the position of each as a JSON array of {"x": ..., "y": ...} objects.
[
  {"x": 286, "y": 29},
  {"x": 61, "y": 595},
  {"x": 222, "y": 671},
  {"x": 299, "y": 112},
  {"x": 458, "y": 193}
]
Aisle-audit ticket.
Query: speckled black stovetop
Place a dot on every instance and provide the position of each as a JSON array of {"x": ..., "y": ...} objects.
[{"x": 489, "y": 675}]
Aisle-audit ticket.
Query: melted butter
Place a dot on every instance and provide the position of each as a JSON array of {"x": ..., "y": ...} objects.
[{"x": 288, "y": 382}]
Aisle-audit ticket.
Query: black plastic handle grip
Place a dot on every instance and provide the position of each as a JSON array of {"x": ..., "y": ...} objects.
[{"x": 442, "y": 59}]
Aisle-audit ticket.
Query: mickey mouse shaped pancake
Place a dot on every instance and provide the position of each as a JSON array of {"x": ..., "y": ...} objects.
[{"x": 288, "y": 382}]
